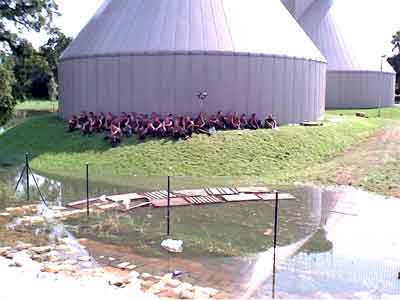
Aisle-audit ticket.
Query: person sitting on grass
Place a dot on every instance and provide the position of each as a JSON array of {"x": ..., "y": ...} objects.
[
  {"x": 222, "y": 124},
  {"x": 127, "y": 127},
  {"x": 102, "y": 121},
  {"x": 253, "y": 122},
  {"x": 109, "y": 120},
  {"x": 73, "y": 123},
  {"x": 83, "y": 118},
  {"x": 235, "y": 121},
  {"x": 214, "y": 122},
  {"x": 115, "y": 133},
  {"x": 86, "y": 126},
  {"x": 244, "y": 124},
  {"x": 200, "y": 125},
  {"x": 168, "y": 124},
  {"x": 189, "y": 125},
  {"x": 159, "y": 129},
  {"x": 94, "y": 124},
  {"x": 270, "y": 122},
  {"x": 177, "y": 131}
]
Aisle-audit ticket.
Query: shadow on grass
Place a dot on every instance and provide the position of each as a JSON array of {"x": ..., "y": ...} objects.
[{"x": 40, "y": 133}]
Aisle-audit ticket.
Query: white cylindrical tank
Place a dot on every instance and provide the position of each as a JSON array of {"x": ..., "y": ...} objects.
[
  {"x": 156, "y": 55},
  {"x": 357, "y": 77}
]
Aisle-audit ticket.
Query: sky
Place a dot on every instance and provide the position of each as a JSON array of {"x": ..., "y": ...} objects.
[{"x": 367, "y": 23}]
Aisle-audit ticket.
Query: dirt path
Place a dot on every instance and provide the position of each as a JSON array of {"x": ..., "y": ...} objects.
[{"x": 366, "y": 162}]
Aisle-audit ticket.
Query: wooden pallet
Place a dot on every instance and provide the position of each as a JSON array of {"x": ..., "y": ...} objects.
[
  {"x": 125, "y": 197},
  {"x": 134, "y": 205},
  {"x": 254, "y": 189},
  {"x": 158, "y": 203},
  {"x": 222, "y": 191},
  {"x": 157, "y": 195},
  {"x": 92, "y": 202},
  {"x": 204, "y": 200},
  {"x": 191, "y": 193},
  {"x": 272, "y": 197},
  {"x": 109, "y": 206},
  {"x": 241, "y": 197}
]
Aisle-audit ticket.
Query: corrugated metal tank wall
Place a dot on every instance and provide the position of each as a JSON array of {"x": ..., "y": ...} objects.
[
  {"x": 354, "y": 78},
  {"x": 360, "y": 89},
  {"x": 290, "y": 88}
]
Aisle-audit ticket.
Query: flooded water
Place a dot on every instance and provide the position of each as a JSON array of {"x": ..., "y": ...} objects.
[{"x": 332, "y": 242}]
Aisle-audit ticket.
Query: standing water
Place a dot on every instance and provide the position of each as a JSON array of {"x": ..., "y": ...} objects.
[{"x": 332, "y": 242}]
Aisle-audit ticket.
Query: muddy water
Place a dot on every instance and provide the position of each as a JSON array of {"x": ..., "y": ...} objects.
[{"x": 333, "y": 242}]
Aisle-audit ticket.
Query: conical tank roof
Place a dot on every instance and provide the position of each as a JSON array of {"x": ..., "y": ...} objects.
[
  {"x": 341, "y": 45},
  {"x": 131, "y": 27}
]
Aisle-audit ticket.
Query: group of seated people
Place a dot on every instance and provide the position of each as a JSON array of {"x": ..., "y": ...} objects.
[{"x": 153, "y": 125}]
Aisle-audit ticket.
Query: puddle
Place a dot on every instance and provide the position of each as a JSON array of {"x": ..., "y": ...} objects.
[{"x": 332, "y": 242}]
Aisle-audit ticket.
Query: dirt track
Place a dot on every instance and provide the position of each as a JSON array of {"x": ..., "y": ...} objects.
[{"x": 367, "y": 157}]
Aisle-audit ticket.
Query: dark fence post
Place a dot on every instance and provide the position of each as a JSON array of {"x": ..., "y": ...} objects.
[
  {"x": 169, "y": 207},
  {"x": 87, "y": 189},
  {"x": 27, "y": 175},
  {"x": 275, "y": 241}
]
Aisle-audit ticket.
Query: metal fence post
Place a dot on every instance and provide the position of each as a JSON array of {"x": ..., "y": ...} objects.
[
  {"x": 87, "y": 189},
  {"x": 275, "y": 242},
  {"x": 169, "y": 207},
  {"x": 27, "y": 175}
]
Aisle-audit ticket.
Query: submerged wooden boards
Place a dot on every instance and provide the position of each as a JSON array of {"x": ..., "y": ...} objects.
[
  {"x": 92, "y": 202},
  {"x": 272, "y": 197},
  {"x": 191, "y": 193},
  {"x": 241, "y": 197},
  {"x": 173, "y": 202},
  {"x": 133, "y": 205},
  {"x": 158, "y": 199},
  {"x": 222, "y": 191},
  {"x": 204, "y": 200},
  {"x": 125, "y": 197},
  {"x": 157, "y": 195},
  {"x": 253, "y": 189}
]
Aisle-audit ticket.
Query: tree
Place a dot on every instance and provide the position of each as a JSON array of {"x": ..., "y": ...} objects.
[
  {"x": 396, "y": 42},
  {"x": 394, "y": 61},
  {"x": 24, "y": 15},
  {"x": 7, "y": 101},
  {"x": 53, "y": 49},
  {"x": 32, "y": 73}
]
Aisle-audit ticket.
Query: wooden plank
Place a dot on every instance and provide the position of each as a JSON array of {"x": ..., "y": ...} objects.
[
  {"x": 271, "y": 197},
  {"x": 213, "y": 191},
  {"x": 124, "y": 197},
  {"x": 229, "y": 191},
  {"x": 174, "y": 202},
  {"x": 253, "y": 189},
  {"x": 92, "y": 202},
  {"x": 191, "y": 193},
  {"x": 109, "y": 206},
  {"x": 241, "y": 197},
  {"x": 129, "y": 208},
  {"x": 158, "y": 195},
  {"x": 199, "y": 200}
]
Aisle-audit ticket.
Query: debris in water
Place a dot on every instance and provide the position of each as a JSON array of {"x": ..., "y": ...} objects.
[{"x": 173, "y": 246}]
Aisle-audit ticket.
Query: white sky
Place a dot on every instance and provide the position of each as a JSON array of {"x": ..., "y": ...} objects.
[{"x": 370, "y": 23}]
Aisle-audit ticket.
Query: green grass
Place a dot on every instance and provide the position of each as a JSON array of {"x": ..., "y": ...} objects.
[
  {"x": 37, "y": 105},
  {"x": 272, "y": 155},
  {"x": 392, "y": 113}
]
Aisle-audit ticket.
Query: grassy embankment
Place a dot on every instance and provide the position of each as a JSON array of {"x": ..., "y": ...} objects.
[
  {"x": 37, "y": 105},
  {"x": 282, "y": 156}
]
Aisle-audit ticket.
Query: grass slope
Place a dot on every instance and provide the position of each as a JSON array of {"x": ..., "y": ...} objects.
[
  {"x": 38, "y": 105},
  {"x": 273, "y": 155}
]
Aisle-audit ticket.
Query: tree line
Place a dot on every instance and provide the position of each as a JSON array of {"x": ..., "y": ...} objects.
[{"x": 26, "y": 72}]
